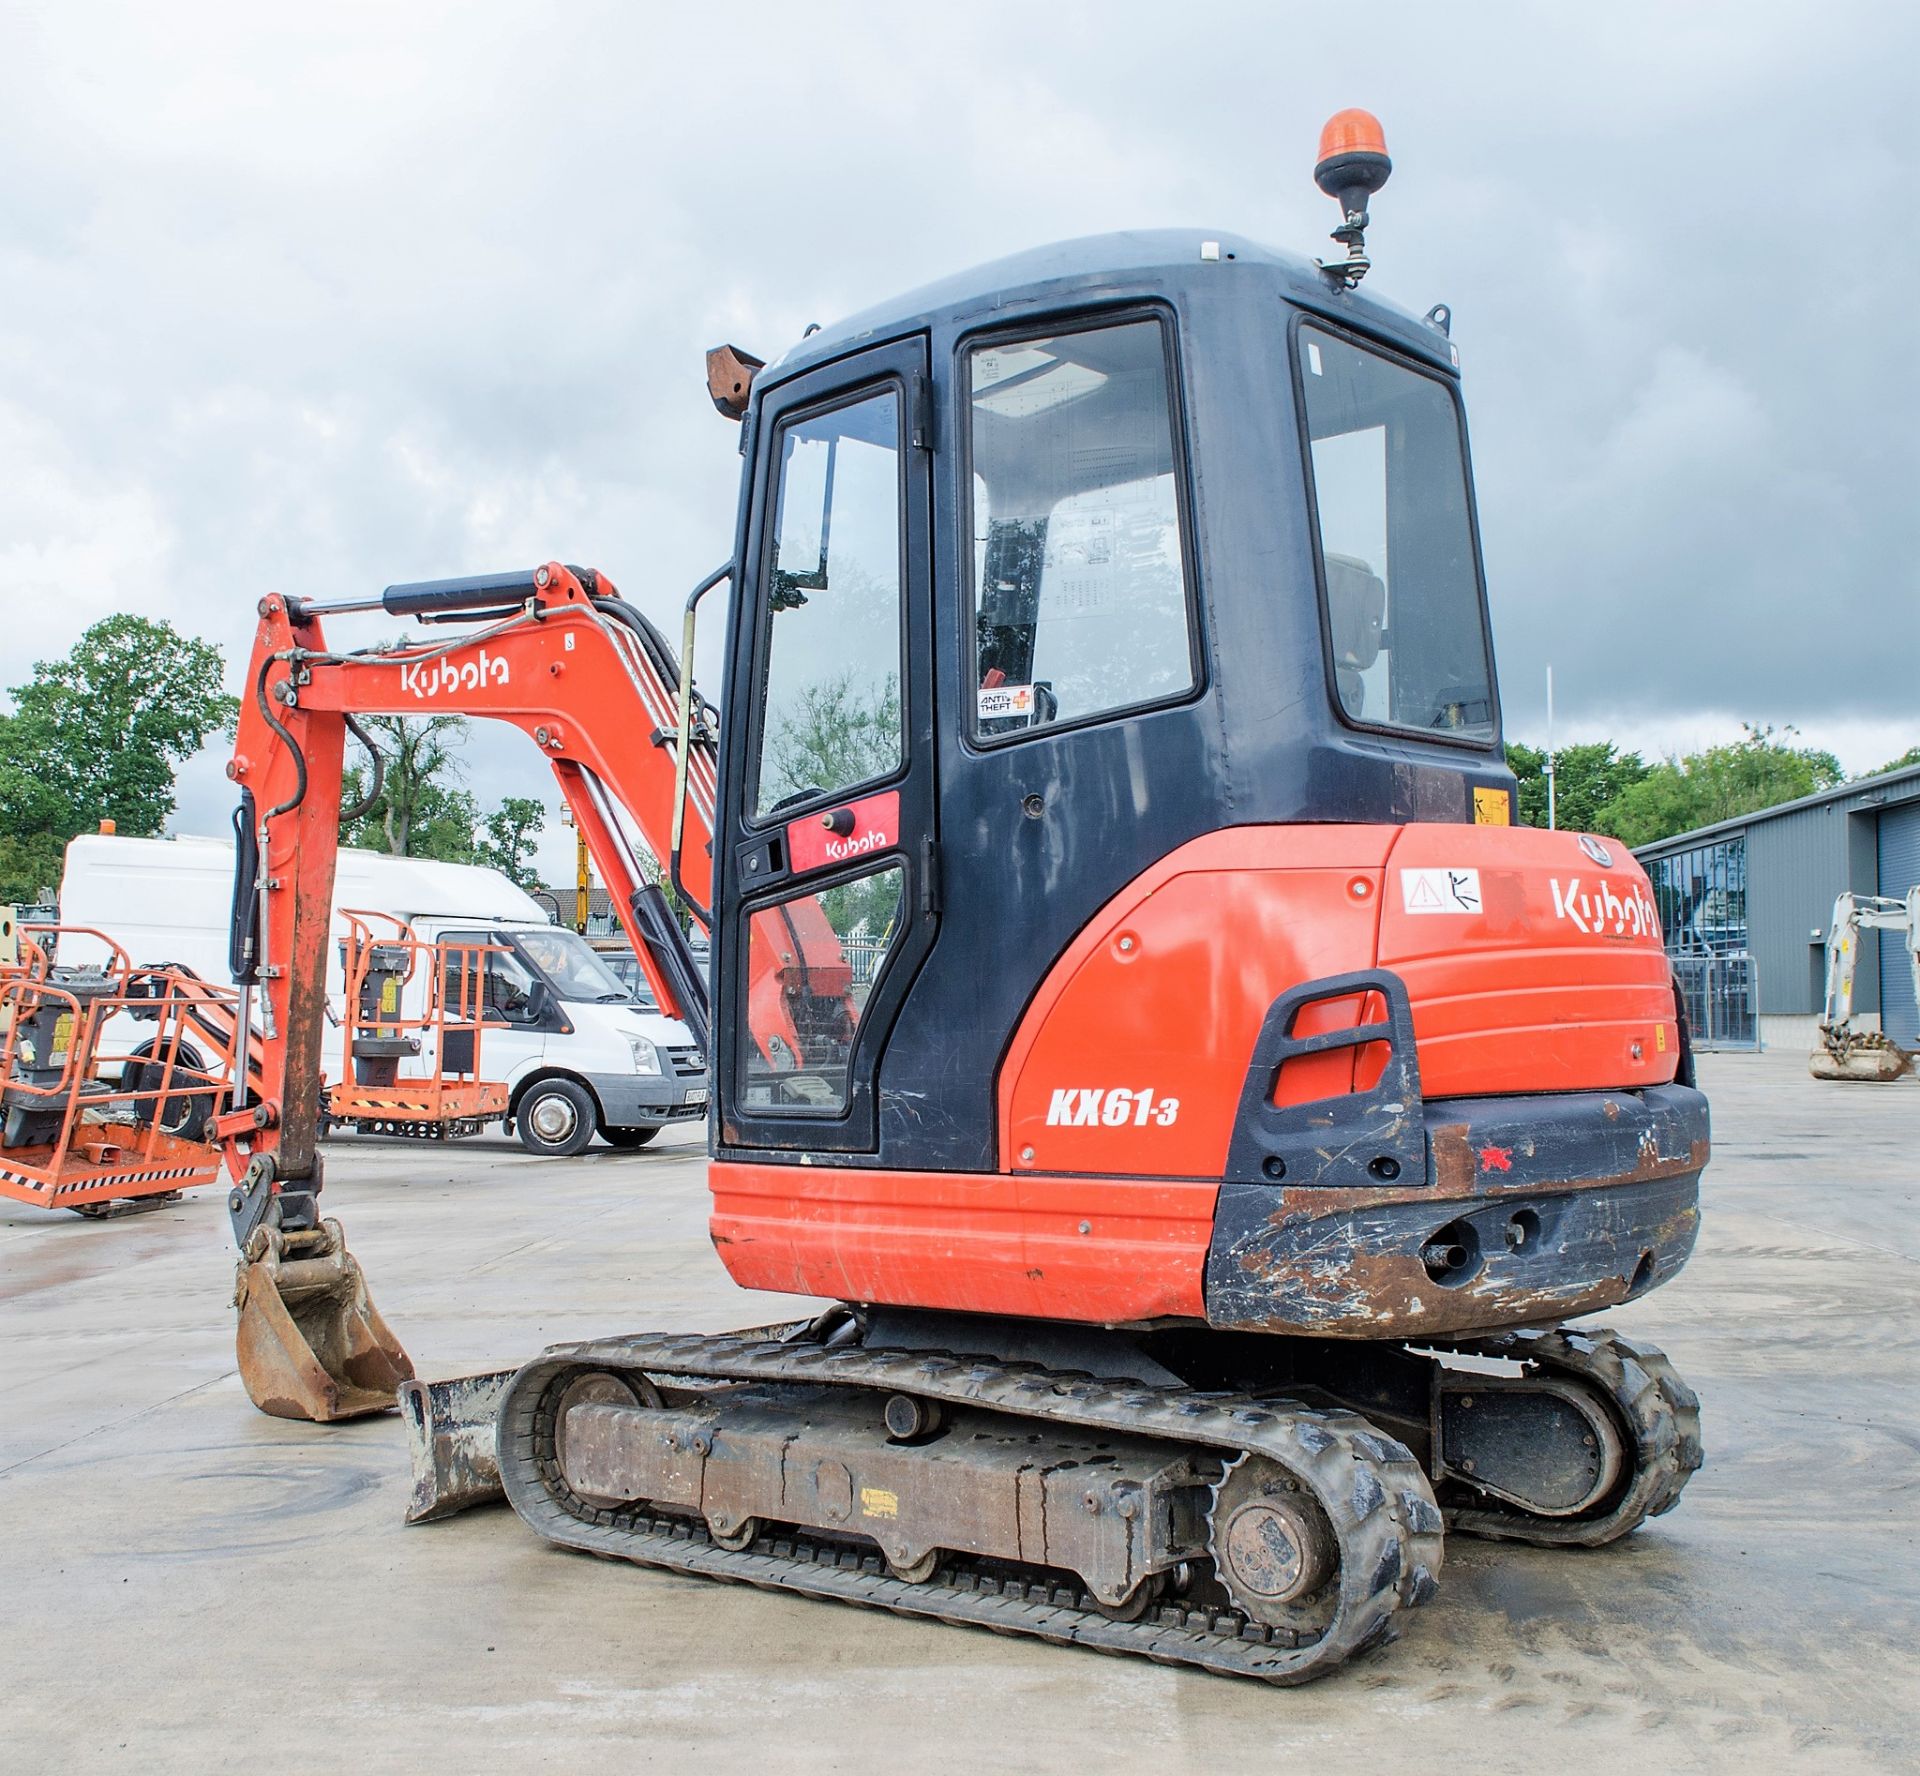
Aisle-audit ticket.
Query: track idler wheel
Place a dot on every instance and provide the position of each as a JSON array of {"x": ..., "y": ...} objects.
[
  {"x": 1272, "y": 1546},
  {"x": 310, "y": 1342},
  {"x": 1658, "y": 1421},
  {"x": 603, "y": 1388}
]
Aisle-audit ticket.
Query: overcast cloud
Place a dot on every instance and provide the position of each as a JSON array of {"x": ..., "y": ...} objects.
[{"x": 317, "y": 299}]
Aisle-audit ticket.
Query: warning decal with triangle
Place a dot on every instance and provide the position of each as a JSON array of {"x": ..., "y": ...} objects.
[{"x": 1440, "y": 890}]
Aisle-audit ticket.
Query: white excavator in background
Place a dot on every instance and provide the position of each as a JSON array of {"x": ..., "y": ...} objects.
[{"x": 1843, "y": 1051}]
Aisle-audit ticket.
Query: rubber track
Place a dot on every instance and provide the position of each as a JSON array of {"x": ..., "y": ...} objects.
[
  {"x": 1375, "y": 1493},
  {"x": 1660, "y": 1413}
]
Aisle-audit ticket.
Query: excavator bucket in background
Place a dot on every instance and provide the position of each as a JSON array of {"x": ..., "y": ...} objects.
[
  {"x": 311, "y": 1344},
  {"x": 1864, "y": 1056},
  {"x": 1841, "y": 1049}
]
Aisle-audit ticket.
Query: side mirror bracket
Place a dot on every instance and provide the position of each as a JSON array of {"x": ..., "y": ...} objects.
[{"x": 730, "y": 374}]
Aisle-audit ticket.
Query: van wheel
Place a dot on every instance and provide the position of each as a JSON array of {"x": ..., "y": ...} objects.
[
  {"x": 555, "y": 1119},
  {"x": 633, "y": 1137}
]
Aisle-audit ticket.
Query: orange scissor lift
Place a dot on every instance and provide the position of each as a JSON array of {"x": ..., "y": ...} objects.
[
  {"x": 87, "y": 1122},
  {"x": 382, "y": 956}
]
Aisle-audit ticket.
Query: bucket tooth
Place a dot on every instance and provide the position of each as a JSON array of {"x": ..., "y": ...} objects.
[
  {"x": 451, "y": 1437},
  {"x": 310, "y": 1342}
]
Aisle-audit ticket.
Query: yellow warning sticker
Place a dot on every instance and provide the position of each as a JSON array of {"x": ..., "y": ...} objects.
[
  {"x": 876, "y": 1501},
  {"x": 390, "y": 995},
  {"x": 1660, "y": 1038},
  {"x": 62, "y": 1039},
  {"x": 1492, "y": 807}
]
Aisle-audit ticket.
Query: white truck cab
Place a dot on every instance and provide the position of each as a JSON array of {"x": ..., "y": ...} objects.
[{"x": 579, "y": 1053}]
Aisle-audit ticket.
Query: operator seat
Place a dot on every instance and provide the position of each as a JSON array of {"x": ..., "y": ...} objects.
[{"x": 1356, "y": 612}]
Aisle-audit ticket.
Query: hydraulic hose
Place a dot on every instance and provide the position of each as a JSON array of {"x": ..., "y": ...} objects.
[
  {"x": 379, "y": 771},
  {"x": 243, "y": 938},
  {"x": 286, "y": 739},
  {"x": 659, "y": 654},
  {"x": 652, "y": 643}
]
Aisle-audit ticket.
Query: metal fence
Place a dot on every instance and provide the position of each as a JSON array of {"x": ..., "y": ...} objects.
[
  {"x": 864, "y": 955},
  {"x": 1722, "y": 995}
]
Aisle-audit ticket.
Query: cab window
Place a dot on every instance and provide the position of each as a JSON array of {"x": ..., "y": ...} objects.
[
  {"x": 1080, "y": 604},
  {"x": 831, "y": 643},
  {"x": 493, "y": 979},
  {"x": 1403, "y": 603}
]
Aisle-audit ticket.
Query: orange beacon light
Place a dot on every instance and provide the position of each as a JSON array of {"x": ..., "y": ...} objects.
[{"x": 1353, "y": 165}]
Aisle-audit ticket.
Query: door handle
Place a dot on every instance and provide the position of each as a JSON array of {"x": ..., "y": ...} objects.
[{"x": 929, "y": 878}]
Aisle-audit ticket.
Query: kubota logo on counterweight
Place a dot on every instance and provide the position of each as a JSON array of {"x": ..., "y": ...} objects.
[{"x": 1603, "y": 910}]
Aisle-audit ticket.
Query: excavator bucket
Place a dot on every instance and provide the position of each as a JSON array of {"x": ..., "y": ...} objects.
[
  {"x": 311, "y": 1344},
  {"x": 1866, "y": 1057},
  {"x": 451, "y": 1438}
]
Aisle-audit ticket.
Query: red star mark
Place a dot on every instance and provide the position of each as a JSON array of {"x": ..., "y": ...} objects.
[{"x": 1496, "y": 1159}]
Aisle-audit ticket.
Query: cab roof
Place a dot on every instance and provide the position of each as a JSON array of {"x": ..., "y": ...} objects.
[{"x": 1163, "y": 262}]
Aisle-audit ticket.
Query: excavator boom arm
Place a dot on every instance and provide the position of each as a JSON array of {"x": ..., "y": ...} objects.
[
  {"x": 555, "y": 653},
  {"x": 1852, "y": 914}
]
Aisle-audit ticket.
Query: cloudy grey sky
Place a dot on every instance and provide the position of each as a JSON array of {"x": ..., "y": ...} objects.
[{"x": 313, "y": 299}]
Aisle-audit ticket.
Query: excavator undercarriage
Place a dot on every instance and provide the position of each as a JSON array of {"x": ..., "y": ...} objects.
[{"x": 1178, "y": 1500}]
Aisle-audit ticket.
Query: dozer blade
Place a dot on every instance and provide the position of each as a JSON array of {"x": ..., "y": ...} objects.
[
  {"x": 311, "y": 1344},
  {"x": 451, "y": 1436}
]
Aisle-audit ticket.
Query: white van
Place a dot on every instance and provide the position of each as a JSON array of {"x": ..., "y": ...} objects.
[{"x": 578, "y": 1051}]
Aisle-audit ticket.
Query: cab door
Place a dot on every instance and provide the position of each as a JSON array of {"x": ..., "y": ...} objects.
[{"x": 828, "y": 887}]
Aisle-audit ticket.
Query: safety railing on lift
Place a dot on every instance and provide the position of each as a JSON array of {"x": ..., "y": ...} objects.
[{"x": 87, "y": 1117}]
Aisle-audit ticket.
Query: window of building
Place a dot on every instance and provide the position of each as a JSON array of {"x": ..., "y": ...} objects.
[{"x": 1702, "y": 897}]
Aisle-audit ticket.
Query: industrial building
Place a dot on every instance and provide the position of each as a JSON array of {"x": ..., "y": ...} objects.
[{"x": 1746, "y": 903}]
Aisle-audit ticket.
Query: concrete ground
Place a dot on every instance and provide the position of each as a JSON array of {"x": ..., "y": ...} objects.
[{"x": 190, "y": 1586}]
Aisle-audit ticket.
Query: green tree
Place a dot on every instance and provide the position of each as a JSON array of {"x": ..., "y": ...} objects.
[
  {"x": 513, "y": 830},
  {"x": 1756, "y": 771},
  {"x": 1586, "y": 779},
  {"x": 833, "y": 735},
  {"x": 99, "y": 735},
  {"x": 419, "y": 811},
  {"x": 30, "y": 866},
  {"x": 1910, "y": 757}
]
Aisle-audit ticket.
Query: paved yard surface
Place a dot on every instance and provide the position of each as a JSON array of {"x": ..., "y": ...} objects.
[{"x": 190, "y": 1586}]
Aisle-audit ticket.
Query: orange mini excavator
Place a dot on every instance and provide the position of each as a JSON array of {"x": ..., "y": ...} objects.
[{"x": 1134, "y": 1010}]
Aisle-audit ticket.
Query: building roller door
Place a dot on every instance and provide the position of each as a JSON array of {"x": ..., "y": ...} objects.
[{"x": 1899, "y": 871}]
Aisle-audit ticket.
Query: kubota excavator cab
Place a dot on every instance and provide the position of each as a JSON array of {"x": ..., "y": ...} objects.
[{"x": 1110, "y": 666}]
